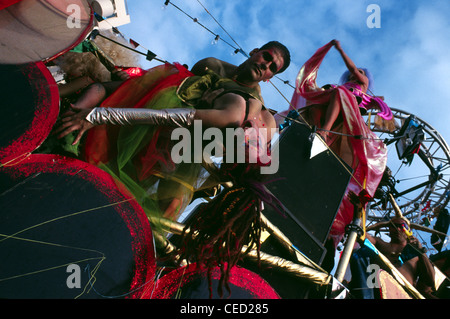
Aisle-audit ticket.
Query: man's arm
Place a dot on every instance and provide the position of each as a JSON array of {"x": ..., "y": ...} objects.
[{"x": 228, "y": 111}]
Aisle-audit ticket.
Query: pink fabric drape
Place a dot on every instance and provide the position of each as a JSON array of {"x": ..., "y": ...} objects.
[{"x": 366, "y": 156}]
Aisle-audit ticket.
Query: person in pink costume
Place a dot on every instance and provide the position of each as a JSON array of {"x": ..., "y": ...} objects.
[{"x": 336, "y": 112}]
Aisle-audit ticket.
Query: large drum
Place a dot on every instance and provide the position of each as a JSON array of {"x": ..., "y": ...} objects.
[
  {"x": 29, "y": 107},
  {"x": 40, "y": 30},
  {"x": 68, "y": 230},
  {"x": 188, "y": 283}
]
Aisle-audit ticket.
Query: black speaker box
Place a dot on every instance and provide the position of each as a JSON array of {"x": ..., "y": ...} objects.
[{"x": 311, "y": 191}]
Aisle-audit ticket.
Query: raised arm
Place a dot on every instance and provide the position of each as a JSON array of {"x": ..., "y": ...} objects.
[{"x": 360, "y": 77}]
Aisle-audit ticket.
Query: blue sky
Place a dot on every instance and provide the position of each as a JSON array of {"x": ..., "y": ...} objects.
[{"x": 407, "y": 55}]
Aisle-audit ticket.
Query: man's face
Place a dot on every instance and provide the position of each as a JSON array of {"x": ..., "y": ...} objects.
[{"x": 263, "y": 64}]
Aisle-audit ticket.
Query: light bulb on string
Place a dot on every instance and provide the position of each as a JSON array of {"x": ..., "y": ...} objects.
[
  {"x": 166, "y": 3},
  {"x": 235, "y": 52},
  {"x": 216, "y": 40}
]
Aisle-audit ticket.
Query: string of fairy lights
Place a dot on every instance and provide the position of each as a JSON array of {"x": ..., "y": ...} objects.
[
  {"x": 149, "y": 55},
  {"x": 237, "y": 49}
]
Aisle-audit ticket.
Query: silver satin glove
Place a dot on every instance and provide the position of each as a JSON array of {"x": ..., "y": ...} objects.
[{"x": 117, "y": 116}]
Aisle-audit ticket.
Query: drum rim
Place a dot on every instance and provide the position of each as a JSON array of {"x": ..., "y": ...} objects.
[
  {"x": 145, "y": 267},
  {"x": 167, "y": 286}
]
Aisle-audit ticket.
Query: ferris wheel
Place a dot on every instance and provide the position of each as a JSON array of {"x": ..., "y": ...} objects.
[{"x": 418, "y": 169}]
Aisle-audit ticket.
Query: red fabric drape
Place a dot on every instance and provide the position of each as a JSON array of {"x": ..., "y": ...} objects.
[{"x": 133, "y": 93}]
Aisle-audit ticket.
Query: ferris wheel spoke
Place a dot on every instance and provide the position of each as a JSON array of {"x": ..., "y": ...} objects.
[{"x": 420, "y": 180}]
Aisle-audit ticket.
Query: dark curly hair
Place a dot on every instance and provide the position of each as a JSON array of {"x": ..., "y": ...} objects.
[
  {"x": 228, "y": 223},
  {"x": 283, "y": 49}
]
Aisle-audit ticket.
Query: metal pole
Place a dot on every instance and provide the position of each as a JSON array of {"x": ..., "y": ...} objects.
[{"x": 348, "y": 249}]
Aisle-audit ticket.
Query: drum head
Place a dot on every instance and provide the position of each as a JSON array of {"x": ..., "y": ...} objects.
[
  {"x": 28, "y": 109},
  {"x": 32, "y": 30},
  {"x": 187, "y": 283},
  {"x": 67, "y": 230}
]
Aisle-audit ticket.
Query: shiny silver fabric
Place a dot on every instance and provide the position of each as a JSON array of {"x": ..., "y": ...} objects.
[
  {"x": 119, "y": 116},
  {"x": 288, "y": 267}
]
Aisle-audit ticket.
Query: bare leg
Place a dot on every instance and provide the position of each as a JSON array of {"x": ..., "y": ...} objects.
[
  {"x": 74, "y": 86},
  {"x": 426, "y": 272},
  {"x": 95, "y": 94},
  {"x": 331, "y": 114},
  {"x": 420, "y": 267},
  {"x": 409, "y": 269}
]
